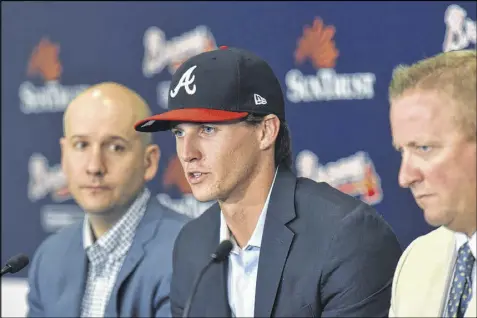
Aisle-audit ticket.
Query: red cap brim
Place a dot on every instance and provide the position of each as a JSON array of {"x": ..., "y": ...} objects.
[{"x": 162, "y": 121}]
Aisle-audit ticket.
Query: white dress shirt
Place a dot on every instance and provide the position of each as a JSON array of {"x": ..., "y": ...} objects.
[{"x": 243, "y": 265}]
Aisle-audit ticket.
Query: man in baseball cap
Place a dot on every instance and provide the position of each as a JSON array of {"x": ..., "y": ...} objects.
[{"x": 295, "y": 247}]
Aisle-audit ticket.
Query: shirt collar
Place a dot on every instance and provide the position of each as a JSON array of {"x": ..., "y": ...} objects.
[
  {"x": 87, "y": 233},
  {"x": 132, "y": 216},
  {"x": 461, "y": 239},
  {"x": 256, "y": 238}
]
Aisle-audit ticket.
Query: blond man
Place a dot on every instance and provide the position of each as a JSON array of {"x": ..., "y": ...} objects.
[{"x": 433, "y": 123}]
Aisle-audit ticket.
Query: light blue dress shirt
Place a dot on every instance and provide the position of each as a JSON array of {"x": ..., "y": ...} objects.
[{"x": 243, "y": 266}]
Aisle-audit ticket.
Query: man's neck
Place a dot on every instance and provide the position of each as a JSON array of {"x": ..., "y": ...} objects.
[
  {"x": 470, "y": 233},
  {"x": 242, "y": 214},
  {"x": 101, "y": 224},
  {"x": 466, "y": 227},
  {"x": 470, "y": 224}
]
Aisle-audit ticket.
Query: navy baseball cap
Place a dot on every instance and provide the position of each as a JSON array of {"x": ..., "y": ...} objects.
[{"x": 216, "y": 86}]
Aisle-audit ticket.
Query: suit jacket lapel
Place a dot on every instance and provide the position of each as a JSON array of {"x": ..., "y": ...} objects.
[
  {"x": 215, "y": 287},
  {"x": 73, "y": 279},
  {"x": 440, "y": 277},
  {"x": 276, "y": 242},
  {"x": 144, "y": 233},
  {"x": 214, "y": 281}
]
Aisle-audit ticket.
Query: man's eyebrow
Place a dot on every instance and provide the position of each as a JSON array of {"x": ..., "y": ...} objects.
[
  {"x": 109, "y": 137},
  {"x": 116, "y": 137}
]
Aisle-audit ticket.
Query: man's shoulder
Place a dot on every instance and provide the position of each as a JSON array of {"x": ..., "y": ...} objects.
[
  {"x": 324, "y": 196},
  {"x": 165, "y": 225},
  {"x": 56, "y": 245},
  {"x": 332, "y": 211},
  {"x": 157, "y": 211},
  {"x": 63, "y": 238},
  {"x": 424, "y": 258},
  {"x": 198, "y": 226},
  {"x": 433, "y": 241}
]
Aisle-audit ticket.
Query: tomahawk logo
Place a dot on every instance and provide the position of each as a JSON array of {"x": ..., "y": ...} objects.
[
  {"x": 186, "y": 80},
  {"x": 354, "y": 175},
  {"x": 259, "y": 100}
]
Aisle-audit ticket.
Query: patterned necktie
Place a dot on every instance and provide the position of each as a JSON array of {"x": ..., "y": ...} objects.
[{"x": 461, "y": 288}]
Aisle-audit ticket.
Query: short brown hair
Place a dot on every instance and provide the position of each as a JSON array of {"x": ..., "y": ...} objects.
[
  {"x": 452, "y": 73},
  {"x": 283, "y": 149}
]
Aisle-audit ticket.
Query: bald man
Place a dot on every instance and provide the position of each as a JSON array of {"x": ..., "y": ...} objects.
[{"x": 117, "y": 262}]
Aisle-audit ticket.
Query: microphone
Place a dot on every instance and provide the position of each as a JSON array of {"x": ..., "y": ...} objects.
[
  {"x": 15, "y": 264},
  {"x": 220, "y": 255}
]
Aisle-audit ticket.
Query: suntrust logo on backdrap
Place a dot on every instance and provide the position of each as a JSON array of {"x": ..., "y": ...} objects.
[
  {"x": 317, "y": 45},
  {"x": 52, "y": 97}
]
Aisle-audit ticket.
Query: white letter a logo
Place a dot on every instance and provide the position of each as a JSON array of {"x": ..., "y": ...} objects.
[{"x": 185, "y": 81}]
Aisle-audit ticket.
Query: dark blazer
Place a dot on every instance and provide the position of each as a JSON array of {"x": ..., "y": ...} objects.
[
  {"x": 323, "y": 253},
  {"x": 58, "y": 271}
]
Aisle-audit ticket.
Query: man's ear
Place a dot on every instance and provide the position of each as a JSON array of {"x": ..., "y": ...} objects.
[
  {"x": 151, "y": 161},
  {"x": 270, "y": 127}
]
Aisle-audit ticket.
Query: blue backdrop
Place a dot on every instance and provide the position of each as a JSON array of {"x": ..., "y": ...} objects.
[{"x": 334, "y": 61}]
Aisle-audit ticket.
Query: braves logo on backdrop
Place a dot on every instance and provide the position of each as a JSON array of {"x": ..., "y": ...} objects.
[
  {"x": 45, "y": 180},
  {"x": 45, "y": 64},
  {"x": 354, "y": 175},
  {"x": 318, "y": 46},
  {"x": 186, "y": 81},
  {"x": 174, "y": 177},
  {"x": 160, "y": 53},
  {"x": 461, "y": 31}
]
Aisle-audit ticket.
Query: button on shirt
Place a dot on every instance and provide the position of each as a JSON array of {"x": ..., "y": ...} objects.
[
  {"x": 106, "y": 257},
  {"x": 461, "y": 239},
  {"x": 243, "y": 266}
]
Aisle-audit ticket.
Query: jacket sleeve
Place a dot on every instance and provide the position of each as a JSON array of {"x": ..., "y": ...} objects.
[
  {"x": 178, "y": 289},
  {"x": 361, "y": 261},
  {"x": 162, "y": 299},
  {"x": 35, "y": 306}
]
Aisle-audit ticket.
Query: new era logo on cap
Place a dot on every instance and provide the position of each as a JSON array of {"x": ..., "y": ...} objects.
[{"x": 259, "y": 100}]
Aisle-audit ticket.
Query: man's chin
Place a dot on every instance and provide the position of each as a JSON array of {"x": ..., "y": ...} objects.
[
  {"x": 202, "y": 196},
  {"x": 97, "y": 210},
  {"x": 434, "y": 218}
]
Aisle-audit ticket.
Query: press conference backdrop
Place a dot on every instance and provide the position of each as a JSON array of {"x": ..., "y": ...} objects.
[{"x": 334, "y": 61}]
